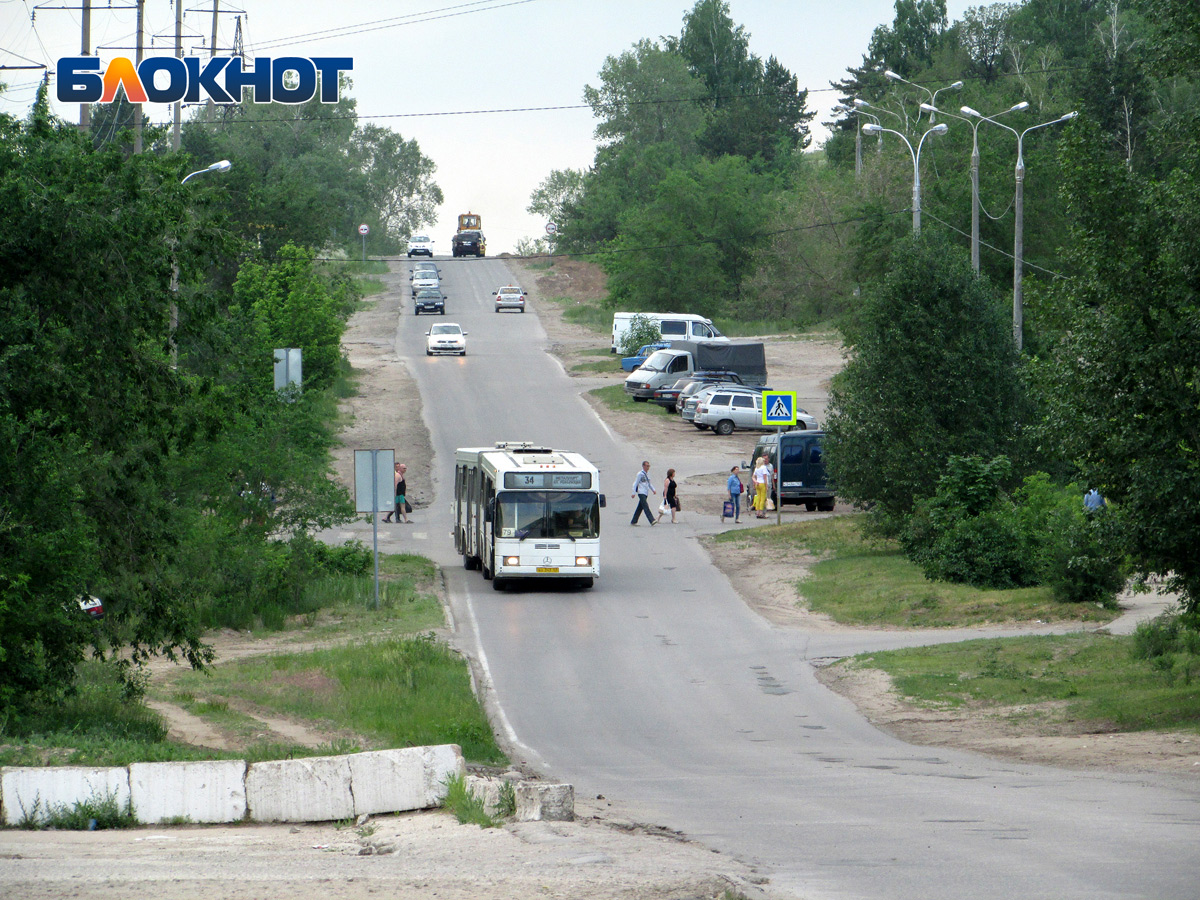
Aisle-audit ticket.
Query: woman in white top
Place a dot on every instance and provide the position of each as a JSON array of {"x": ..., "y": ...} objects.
[{"x": 762, "y": 481}]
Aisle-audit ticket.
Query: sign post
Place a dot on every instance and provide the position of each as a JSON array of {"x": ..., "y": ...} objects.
[
  {"x": 551, "y": 231},
  {"x": 374, "y": 480},
  {"x": 364, "y": 231},
  {"x": 779, "y": 409}
]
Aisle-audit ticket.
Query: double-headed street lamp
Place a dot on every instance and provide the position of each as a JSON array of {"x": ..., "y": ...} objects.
[
  {"x": 872, "y": 128},
  {"x": 956, "y": 86},
  {"x": 974, "y": 123},
  {"x": 1019, "y": 238}
]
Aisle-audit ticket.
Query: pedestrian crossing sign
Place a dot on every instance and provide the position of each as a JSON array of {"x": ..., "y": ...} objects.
[{"x": 779, "y": 407}]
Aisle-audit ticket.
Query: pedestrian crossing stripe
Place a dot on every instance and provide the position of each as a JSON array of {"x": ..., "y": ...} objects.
[{"x": 779, "y": 408}]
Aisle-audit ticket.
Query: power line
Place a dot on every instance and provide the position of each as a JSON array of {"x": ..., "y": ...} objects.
[{"x": 447, "y": 12}]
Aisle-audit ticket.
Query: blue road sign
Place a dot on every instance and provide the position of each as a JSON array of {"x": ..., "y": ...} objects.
[{"x": 779, "y": 407}]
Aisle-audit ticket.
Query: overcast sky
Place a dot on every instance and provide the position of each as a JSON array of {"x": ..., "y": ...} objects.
[{"x": 491, "y": 90}]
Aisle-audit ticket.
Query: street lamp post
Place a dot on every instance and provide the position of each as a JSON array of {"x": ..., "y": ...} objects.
[
  {"x": 974, "y": 123},
  {"x": 220, "y": 166},
  {"x": 1019, "y": 205},
  {"x": 956, "y": 86},
  {"x": 872, "y": 128}
]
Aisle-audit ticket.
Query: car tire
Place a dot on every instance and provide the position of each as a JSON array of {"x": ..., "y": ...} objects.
[
  {"x": 826, "y": 505},
  {"x": 701, "y": 427},
  {"x": 724, "y": 427},
  {"x": 416, "y": 311},
  {"x": 464, "y": 353},
  {"x": 810, "y": 505}
]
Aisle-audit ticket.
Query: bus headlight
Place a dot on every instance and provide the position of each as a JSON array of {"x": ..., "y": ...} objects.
[
  {"x": 512, "y": 560},
  {"x": 583, "y": 560}
]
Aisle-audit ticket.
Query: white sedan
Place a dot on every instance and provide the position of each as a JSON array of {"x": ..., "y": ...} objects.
[
  {"x": 447, "y": 337},
  {"x": 510, "y": 297}
]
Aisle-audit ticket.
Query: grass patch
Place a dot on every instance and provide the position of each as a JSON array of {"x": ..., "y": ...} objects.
[
  {"x": 399, "y": 692},
  {"x": 1091, "y": 680},
  {"x": 614, "y": 397},
  {"x": 867, "y": 581},
  {"x": 589, "y": 314},
  {"x": 97, "y": 813},
  {"x": 602, "y": 365},
  {"x": 467, "y": 806}
]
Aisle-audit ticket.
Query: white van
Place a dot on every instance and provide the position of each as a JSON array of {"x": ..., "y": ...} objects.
[{"x": 672, "y": 326}]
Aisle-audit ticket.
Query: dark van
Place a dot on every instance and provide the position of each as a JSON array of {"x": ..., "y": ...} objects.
[{"x": 799, "y": 469}]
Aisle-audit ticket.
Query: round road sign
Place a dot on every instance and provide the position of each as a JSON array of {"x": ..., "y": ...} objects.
[
  {"x": 363, "y": 229},
  {"x": 551, "y": 228}
]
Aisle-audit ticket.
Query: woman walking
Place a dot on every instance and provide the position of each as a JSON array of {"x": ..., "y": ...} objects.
[{"x": 670, "y": 497}]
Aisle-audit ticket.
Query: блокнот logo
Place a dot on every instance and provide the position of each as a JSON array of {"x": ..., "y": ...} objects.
[{"x": 220, "y": 78}]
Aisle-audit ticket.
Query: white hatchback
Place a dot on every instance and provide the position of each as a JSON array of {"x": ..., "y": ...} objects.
[
  {"x": 420, "y": 245},
  {"x": 446, "y": 337}
]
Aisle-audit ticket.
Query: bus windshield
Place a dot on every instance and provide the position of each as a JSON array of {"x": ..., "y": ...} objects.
[{"x": 547, "y": 514}]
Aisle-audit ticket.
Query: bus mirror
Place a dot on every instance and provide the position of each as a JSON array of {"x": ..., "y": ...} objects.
[{"x": 602, "y": 503}]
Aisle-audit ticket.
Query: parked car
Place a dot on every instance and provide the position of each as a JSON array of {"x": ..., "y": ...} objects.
[
  {"x": 429, "y": 301},
  {"x": 798, "y": 460},
  {"x": 446, "y": 337},
  {"x": 629, "y": 363},
  {"x": 726, "y": 410},
  {"x": 702, "y": 379},
  {"x": 509, "y": 297},
  {"x": 688, "y": 405},
  {"x": 420, "y": 245},
  {"x": 666, "y": 396}
]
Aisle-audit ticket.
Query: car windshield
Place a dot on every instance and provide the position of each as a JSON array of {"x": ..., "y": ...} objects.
[
  {"x": 445, "y": 329},
  {"x": 419, "y": 239},
  {"x": 547, "y": 514},
  {"x": 658, "y": 360}
]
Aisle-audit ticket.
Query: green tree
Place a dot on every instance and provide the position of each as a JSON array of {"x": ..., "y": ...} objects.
[
  {"x": 687, "y": 247},
  {"x": 399, "y": 189},
  {"x": 932, "y": 373},
  {"x": 1122, "y": 387},
  {"x": 290, "y": 306}
]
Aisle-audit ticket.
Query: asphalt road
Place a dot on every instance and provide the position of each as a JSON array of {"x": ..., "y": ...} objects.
[{"x": 658, "y": 687}]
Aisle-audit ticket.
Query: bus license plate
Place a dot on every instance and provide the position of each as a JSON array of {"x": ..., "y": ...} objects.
[{"x": 547, "y": 569}]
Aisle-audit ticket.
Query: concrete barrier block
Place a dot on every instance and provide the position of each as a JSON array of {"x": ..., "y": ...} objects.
[
  {"x": 551, "y": 802},
  {"x": 30, "y": 793},
  {"x": 316, "y": 789},
  {"x": 201, "y": 792},
  {"x": 402, "y": 779}
]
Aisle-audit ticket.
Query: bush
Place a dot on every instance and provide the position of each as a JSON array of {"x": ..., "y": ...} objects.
[
  {"x": 1171, "y": 643},
  {"x": 642, "y": 331},
  {"x": 965, "y": 533},
  {"x": 972, "y": 532}
]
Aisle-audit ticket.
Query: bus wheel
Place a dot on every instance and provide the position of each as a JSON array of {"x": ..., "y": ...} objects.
[
  {"x": 468, "y": 562},
  {"x": 585, "y": 582},
  {"x": 499, "y": 584}
]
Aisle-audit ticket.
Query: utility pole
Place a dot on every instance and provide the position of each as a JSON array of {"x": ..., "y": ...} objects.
[
  {"x": 137, "y": 107},
  {"x": 85, "y": 110},
  {"x": 178, "y": 55}
]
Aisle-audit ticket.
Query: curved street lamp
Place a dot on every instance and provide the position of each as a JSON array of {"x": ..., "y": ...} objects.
[
  {"x": 974, "y": 123},
  {"x": 1019, "y": 237},
  {"x": 956, "y": 86},
  {"x": 219, "y": 166},
  {"x": 872, "y": 128}
]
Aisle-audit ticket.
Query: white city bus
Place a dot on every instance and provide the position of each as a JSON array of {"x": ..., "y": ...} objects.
[{"x": 524, "y": 511}]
